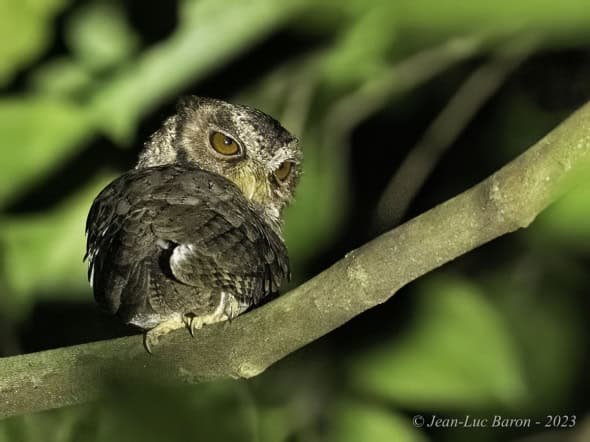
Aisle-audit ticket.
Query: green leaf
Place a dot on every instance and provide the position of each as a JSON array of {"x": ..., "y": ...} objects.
[
  {"x": 457, "y": 355},
  {"x": 210, "y": 34},
  {"x": 566, "y": 222},
  {"x": 37, "y": 135},
  {"x": 502, "y": 16},
  {"x": 208, "y": 412},
  {"x": 25, "y": 31},
  {"x": 353, "y": 421},
  {"x": 43, "y": 253},
  {"x": 99, "y": 36},
  {"x": 541, "y": 296},
  {"x": 275, "y": 424},
  {"x": 61, "y": 78},
  {"x": 353, "y": 61},
  {"x": 64, "y": 425}
]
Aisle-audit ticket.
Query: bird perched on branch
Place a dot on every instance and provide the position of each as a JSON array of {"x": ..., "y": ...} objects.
[{"x": 192, "y": 235}]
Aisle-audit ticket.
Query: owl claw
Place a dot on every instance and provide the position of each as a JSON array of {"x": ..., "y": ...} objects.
[
  {"x": 227, "y": 309},
  {"x": 194, "y": 323},
  {"x": 151, "y": 338}
]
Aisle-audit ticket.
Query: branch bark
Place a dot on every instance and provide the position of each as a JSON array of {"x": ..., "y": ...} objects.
[{"x": 507, "y": 200}]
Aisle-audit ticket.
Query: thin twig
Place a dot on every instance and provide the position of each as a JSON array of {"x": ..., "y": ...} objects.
[
  {"x": 479, "y": 87},
  {"x": 400, "y": 78}
]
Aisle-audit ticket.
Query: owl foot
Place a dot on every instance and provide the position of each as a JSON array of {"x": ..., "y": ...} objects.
[
  {"x": 229, "y": 307},
  {"x": 194, "y": 323},
  {"x": 152, "y": 337}
]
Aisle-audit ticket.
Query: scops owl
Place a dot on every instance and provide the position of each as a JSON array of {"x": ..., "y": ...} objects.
[{"x": 192, "y": 235}]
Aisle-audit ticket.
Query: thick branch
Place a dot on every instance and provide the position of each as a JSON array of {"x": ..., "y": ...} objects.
[{"x": 507, "y": 200}]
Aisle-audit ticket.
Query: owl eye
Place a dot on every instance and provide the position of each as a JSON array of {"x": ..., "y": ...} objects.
[
  {"x": 284, "y": 170},
  {"x": 224, "y": 144}
]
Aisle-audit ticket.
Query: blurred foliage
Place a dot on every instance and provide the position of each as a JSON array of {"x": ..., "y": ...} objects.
[
  {"x": 50, "y": 245},
  {"x": 437, "y": 364},
  {"x": 99, "y": 37},
  {"x": 566, "y": 222},
  {"x": 357, "y": 421},
  {"x": 25, "y": 32},
  {"x": 60, "y": 129},
  {"x": 500, "y": 332}
]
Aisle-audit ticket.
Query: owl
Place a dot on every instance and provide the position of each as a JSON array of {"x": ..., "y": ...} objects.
[{"x": 192, "y": 235}]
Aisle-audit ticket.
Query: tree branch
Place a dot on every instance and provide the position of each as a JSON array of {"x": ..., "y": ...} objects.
[{"x": 506, "y": 201}]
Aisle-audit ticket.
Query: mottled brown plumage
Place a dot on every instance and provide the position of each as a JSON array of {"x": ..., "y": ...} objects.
[{"x": 192, "y": 236}]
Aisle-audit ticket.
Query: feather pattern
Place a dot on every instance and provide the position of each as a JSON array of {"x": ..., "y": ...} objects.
[{"x": 174, "y": 238}]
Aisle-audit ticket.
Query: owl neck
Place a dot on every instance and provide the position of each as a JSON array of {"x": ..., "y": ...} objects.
[{"x": 273, "y": 218}]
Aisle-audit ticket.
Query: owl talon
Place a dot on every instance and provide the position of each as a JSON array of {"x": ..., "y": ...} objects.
[
  {"x": 194, "y": 323},
  {"x": 151, "y": 338},
  {"x": 197, "y": 323}
]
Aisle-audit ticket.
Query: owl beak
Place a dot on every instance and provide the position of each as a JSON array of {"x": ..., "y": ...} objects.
[
  {"x": 249, "y": 188},
  {"x": 253, "y": 185}
]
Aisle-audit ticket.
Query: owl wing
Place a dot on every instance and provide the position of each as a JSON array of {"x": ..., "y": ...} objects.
[{"x": 187, "y": 226}]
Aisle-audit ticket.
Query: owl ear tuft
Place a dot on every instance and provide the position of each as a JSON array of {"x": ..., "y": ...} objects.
[{"x": 188, "y": 102}]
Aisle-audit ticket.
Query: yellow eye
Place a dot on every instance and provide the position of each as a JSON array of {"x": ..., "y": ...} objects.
[
  {"x": 284, "y": 170},
  {"x": 224, "y": 144}
]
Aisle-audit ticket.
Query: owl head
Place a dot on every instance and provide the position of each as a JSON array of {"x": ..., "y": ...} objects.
[{"x": 240, "y": 143}]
